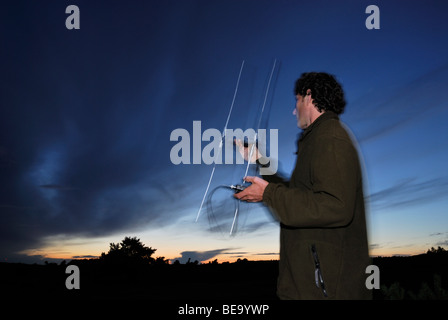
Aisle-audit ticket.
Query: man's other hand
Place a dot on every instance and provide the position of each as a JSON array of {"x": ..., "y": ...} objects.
[{"x": 246, "y": 150}]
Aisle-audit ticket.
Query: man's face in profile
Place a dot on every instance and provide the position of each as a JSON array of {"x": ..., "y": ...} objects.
[{"x": 299, "y": 111}]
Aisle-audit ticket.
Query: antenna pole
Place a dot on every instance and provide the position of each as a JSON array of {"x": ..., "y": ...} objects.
[{"x": 218, "y": 154}]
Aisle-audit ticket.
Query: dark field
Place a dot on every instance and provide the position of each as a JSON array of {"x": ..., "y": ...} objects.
[{"x": 418, "y": 277}]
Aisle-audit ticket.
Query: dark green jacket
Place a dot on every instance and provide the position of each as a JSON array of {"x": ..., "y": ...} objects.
[{"x": 323, "y": 236}]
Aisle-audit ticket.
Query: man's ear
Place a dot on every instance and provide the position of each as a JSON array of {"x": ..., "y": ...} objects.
[{"x": 308, "y": 95}]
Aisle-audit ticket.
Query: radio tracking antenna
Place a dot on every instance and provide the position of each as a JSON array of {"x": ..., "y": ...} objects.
[
  {"x": 241, "y": 187},
  {"x": 218, "y": 154},
  {"x": 255, "y": 140}
]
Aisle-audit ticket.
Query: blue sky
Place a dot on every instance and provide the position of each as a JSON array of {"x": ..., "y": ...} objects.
[{"x": 86, "y": 117}]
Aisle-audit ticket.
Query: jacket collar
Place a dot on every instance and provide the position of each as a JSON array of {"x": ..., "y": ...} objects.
[{"x": 328, "y": 115}]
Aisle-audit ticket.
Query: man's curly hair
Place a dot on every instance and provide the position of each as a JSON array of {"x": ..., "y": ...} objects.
[{"x": 326, "y": 92}]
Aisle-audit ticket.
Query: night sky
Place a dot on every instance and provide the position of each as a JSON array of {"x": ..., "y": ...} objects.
[{"x": 86, "y": 116}]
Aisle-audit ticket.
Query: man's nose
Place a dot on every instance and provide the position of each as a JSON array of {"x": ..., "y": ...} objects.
[{"x": 294, "y": 111}]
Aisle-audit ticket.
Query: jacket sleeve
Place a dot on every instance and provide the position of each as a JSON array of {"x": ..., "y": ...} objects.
[
  {"x": 330, "y": 201},
  {"x": 274, "y": 177}
]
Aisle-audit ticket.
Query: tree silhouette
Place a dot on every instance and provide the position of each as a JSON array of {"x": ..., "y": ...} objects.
[
  {"x": 129, "y": 251},
  {"x": 436, "y": 251}
]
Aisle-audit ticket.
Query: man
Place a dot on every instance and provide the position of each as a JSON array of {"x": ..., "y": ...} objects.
[{"x": 323, "y": 236}]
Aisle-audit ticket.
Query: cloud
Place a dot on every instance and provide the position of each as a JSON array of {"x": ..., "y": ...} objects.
[
  {"x": 86, "y": 151},
  {"x": 102, "y": 131},
  {"x": 385, "y": 111},
  {"x": 88, "y": 256},
  {"x": 266, "y": 254},
  {"x": 409, "y": 192},
  {"x": 56, "y": 187},
  {"x": 442, "y": 243},
  {"x": 437, "y": 234},
  {"x": 200, "y": 255}
]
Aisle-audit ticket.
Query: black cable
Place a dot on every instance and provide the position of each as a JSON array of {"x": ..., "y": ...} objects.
[{"x": 213, "y": 218}]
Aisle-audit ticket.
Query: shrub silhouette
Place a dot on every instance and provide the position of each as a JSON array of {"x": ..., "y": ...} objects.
[
  {"x": 129, "y": 251},
  {"x": 426, "y": 292}
]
